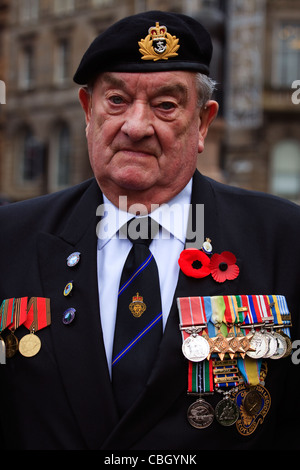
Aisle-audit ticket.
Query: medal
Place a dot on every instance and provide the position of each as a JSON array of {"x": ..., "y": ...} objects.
[
  {"x": 38, "y": 317},
  {"x": 247, "y": 422},
  {"x": 200, "y": 382},
  {"x": 30, "y": 345},
  {"x": 227, "y": 412},
  {"x": 272, "y": 344},
  {"x": 281, "y": 346},
  {"x": 6, "y": 319},
  {"x": 11, "y": 345},
  {"x": 289, "y": 345},
  {"x": 195, "y": 348},
  {"x": 200, "y": 414},
  {"x": 253, "y": 402},
  {"x": 2, "y": 351},
  {"x": 19, "y": 317}
]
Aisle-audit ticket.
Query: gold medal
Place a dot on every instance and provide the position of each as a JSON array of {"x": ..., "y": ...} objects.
[{"x": 29, "y": 345}]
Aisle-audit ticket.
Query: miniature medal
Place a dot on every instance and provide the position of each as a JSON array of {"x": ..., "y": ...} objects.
[{"x": 200, "y": 414}]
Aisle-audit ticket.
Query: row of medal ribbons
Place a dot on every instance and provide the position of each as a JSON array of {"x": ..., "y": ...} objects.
[{"x": 238, "y": 325}]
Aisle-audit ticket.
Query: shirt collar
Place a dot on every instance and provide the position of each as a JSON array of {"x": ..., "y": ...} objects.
[{"x": 172, "y": 216}]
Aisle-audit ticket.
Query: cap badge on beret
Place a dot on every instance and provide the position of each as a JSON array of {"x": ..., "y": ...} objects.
[{"x": 159, "y": 44}]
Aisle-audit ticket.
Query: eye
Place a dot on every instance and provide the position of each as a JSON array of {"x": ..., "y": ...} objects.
[
  {"x": 116, "y": 99},
  {"x": 167, "y": 105}
]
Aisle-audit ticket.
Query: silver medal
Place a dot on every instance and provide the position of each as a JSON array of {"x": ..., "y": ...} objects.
[
  {"x": 260, "y": 345},
  {"x": 195, "y": 348},
  {"x": 281, "y": 346}
]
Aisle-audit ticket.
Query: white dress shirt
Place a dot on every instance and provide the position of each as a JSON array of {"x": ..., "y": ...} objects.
[{"x": 112, "y": 253}]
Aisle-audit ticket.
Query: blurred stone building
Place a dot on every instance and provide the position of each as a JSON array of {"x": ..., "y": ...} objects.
[{"x": 254, "y": 143}]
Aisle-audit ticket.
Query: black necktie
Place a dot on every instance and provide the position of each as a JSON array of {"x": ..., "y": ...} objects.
[{"x": 138, "y": 328}]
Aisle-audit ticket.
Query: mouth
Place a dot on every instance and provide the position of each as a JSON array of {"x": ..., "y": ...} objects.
[{"x": 136, "y": 153}]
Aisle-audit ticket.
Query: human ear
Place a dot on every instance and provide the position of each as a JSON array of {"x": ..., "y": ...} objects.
[
  {"x": 207, "y": 115},
  {"x": 85, "y": 99}
]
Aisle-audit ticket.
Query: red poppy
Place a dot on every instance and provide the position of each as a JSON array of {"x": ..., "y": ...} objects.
[
  {"x": 194, "y": 263},
  {"x": 223, "y": 266}
]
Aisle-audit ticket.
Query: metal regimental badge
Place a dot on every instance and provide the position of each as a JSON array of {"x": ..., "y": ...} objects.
[
  {"x": 137, "y": 306},
  {"x": 159, "y": 44},
  {"x": 253, "y": 407}
]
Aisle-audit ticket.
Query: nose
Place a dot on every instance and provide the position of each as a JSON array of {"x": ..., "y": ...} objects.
[{"x": 138, "y": 122}]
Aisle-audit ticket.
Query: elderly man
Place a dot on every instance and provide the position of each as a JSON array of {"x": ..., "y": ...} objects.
[{"x": 177, "y": 335}]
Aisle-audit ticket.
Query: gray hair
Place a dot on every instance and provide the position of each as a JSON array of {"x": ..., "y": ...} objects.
[{"x": 205, "y": 88}]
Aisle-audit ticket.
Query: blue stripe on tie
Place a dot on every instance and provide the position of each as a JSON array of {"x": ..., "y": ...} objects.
[
  {"x": 136, "y": 273},
  {"x": 136, "y": 339}
]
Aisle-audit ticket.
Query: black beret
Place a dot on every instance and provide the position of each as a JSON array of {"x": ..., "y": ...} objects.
[{"x": 148, "y": 42}]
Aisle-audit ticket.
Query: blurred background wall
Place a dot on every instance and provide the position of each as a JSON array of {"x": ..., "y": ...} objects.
[{"x": 254, "y": 143}]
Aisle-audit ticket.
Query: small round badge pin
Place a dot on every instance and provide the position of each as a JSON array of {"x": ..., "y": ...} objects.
[
  {"x": 68, "y": 316},
  {"x": 68, "y": 289},
  {"x": 73, "y": 259}
]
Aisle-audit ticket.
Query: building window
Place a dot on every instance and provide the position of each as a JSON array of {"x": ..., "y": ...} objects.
[
  {"x": 286, "y": 58},
  {"x": 101, "y": 3},
  {"x": 31, "y": 157},
  {"x": 63, "y": 7},
  {"x": 63, "y": 163},
  {"x": 285, "y": 169},
  {"x": 29, "y": 10},
  {"x": 62, "y": 63},
  {"x": 60, "y": 158},
  {"x": 27, "y": 73}
]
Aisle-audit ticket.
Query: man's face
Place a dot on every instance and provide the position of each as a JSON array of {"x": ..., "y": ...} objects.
[{"x": 144, "y": 131}]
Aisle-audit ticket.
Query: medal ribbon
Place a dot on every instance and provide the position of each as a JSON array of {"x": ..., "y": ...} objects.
[
  {"x": 284, "y": 313},
  {"x": 38, "y": 316},
  {"x": 218, "y": 312},
  {"x": 231, "y": 312},
  {"x": 253, "y": 315},
  {"x": 19, "y": 313},
  {"x": 192, "y": 313},
  {"x": 200, "y": 377},
  {"x": 6, "y": 313},
  {"x": 248, "y": 367}
]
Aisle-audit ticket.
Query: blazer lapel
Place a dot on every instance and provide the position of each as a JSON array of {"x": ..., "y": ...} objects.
[
  {"x": 170, "y": 371},
  {"x": 78, "y": 347}
]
